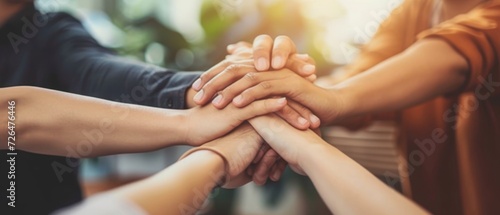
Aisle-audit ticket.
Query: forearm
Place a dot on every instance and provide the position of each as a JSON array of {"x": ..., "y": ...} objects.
[
  {"x": 179, "y": 189},
  {"x": 426, "y": 70},
  {"x": 348, "y": 188},
  {"x": 56, "y": 123}
]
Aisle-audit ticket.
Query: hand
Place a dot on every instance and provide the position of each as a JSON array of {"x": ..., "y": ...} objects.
[
  {"x": 326, "y": 104},
  {"x": 206, "y": 123},
  {"x": 238, "y": 149},
  {"x": 276, "y": 53},
  {"x": 267, "y": 164},
  {"x": 288, "y": 142},
  {"x": 296, "y": 114}
]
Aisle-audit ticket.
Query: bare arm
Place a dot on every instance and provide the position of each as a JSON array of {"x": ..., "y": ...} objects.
[
  {"x": 183, "y": 187},
  {"x": 345, "y": 186},
  {"x": 348, "y": 188},
  {"x": 428, "y": 69},
  {"x": 179, "y": 189},
  {"x": 56, "y": 123}
]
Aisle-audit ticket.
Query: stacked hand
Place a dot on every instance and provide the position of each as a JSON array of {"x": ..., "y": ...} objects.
[{"x": 241, "y": 81}]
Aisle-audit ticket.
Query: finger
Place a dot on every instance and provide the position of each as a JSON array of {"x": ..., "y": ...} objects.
[
  {"x": 258, "y": 108},
  {"x": 251, "y": 170},
  {"x": 301, "y": 66},
  {"x": 209, "y": 74},
  {"x": 305, "y": 57},
  {"x": 305, "y": 113},
  {"x": 278, "y": 170},
  {"x": 202, "y": 97},
  {"x": 260, "y": 153},
  {"x": 263, "y": 168},
  {"x": 262, "y": 46},
  {"x": 235, "y": 48},
  {"x": 249, "y": 80},
  {"x": 283, "y": 47},
  {"x": 312, "y": 78},
  {"x": 222, "y": 80},
  {"x": 242, "y": 56},
  {"x": 294, "y": 118},
  {"x": 266, "y": 89}
]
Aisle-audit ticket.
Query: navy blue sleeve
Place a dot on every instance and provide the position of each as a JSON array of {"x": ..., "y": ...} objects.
[{"x": 85, "y": 67}]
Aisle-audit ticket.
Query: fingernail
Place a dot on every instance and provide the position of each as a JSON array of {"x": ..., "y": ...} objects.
[
  {"x": 303, "y": 57},
  {"x": 238, "y": 99},
  {"x": 197, "y": 84},
  {"x": 309, "y": 69},
  {"x": 230, "y": 47},
  {"x": 217, "y": 100},
  {"x": 302, "y": 121},
  {"x": 312, "y": 77},
  {"x": 314, "y": 119},
  {"x": 281, "y": 101},
  {"x": 198, "y": 96},
  {"x": 262, "y": 64},
  {"x": 277, "y": 62}
]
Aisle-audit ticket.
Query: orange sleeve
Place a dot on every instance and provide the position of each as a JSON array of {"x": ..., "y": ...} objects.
[
  {"x": 475, "y": 36},
  {"x": 388, "y": 41}
]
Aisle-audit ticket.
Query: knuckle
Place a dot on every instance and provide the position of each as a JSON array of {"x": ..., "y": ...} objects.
[
  {"x": 302, "y": 109},
  {"x": 283, "y": 42},
  {"x": 282, "y": 37},
  {"x": 263, "y": 37},
  {"x": 208, "y": 86},
  {"x": 226, "y": 63},
  {"x": 265, "y": 85},
  {"x": 227, "y": 93},
  {"x": 251, "y": 77},
  {"x": 204, "y": 76},
  {"x": 233, "y": 70},
  {"x": 249, "y": 95},
  {"x": 261, "y": 49},
  {"x": 287, "y": 111}
]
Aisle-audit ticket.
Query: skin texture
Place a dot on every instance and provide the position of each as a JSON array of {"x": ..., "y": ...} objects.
[
  {"x": 428, "y": 75},
  {"x": 102, "y": 127},
  {"x": 193, "y": 177},
  {"x": 292, "y": 112},
  {"x": 419, "y": 71},
  {"x": 240, "y": 63},
  {"x": 342, "y": 183}
]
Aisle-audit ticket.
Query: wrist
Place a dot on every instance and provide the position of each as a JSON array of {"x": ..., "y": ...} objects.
[
  {"x": 343, "y": 102},
  {"x": 184, "y": 126},
  {"x": 214, "y": 161},
  {"x": 309, "y": 151},
  {"x": 315, "y": 155}
]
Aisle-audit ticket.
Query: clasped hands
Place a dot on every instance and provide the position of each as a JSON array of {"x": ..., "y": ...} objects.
[{"x": 257, "y": 83}]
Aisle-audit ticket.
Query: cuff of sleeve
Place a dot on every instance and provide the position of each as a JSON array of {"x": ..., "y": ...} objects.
[
  {"x": 467, "y": 35},
  {"x": 174, "y": 94}
]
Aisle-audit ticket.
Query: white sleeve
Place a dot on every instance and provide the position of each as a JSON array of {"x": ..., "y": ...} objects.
[{"x": 103, "y": 204}]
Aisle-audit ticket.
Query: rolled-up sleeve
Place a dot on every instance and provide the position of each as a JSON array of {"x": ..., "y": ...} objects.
[{"x": 475, "y": 36}]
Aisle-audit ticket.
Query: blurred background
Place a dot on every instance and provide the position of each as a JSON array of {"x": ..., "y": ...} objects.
[{"x": 192, "y": 35}]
